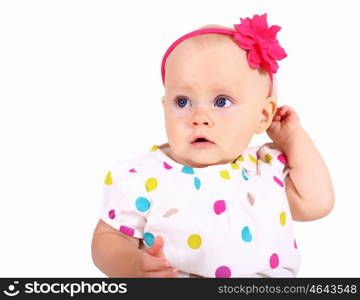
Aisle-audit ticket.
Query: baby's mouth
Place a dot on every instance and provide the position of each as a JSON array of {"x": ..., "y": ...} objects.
[{"x": 202, "y": 142}]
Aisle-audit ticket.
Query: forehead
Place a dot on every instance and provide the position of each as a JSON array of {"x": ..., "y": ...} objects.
[{"x": 208, "y": 60}]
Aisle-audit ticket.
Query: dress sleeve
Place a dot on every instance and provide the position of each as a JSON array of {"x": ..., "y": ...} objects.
[
  {"x": 271, "y": 154},
  {"x": 123, "y": 207}
]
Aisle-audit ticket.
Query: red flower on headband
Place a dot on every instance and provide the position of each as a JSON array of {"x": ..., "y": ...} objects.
[{"x": 254, "y": 36}]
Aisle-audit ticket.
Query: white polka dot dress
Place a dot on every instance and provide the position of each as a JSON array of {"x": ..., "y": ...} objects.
[{"x": 229, "y": 220}]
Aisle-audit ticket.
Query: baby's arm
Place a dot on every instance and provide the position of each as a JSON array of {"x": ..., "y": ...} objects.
[
  {"x": 119, "y": 255},
  {"x": 308, "y": 186}
]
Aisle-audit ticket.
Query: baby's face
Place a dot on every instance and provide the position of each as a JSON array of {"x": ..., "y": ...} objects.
[{"x": 211, "y": 91}]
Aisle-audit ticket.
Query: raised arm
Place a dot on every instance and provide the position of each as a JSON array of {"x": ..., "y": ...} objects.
[{"x": 308, "y": 187}]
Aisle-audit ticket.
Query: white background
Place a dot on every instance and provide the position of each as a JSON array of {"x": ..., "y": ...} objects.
[{"x": 80, "y": 88}]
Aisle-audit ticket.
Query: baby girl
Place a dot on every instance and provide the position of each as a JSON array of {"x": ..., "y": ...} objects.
[{"x": 206, "y": 204}]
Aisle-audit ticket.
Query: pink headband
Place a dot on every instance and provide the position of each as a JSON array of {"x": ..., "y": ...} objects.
[{"x": 252, "y": 35}]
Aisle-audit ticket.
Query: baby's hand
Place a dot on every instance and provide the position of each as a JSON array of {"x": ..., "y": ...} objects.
[
  {"x": 152, "y": 262},
  {"x": 285, "y": 122}
]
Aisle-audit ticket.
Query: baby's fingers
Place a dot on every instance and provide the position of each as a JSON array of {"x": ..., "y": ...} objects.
[
  {"x": 170, "y": 273},
  {"x": 152, "y": 263},
  {"x": 157, "y": 247},
  {"x": 282, "y": 112}
]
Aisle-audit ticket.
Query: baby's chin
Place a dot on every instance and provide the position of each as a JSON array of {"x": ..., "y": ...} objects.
[
  {"x": 202, "y": 161},
  {"x": 199, "y": 158}
]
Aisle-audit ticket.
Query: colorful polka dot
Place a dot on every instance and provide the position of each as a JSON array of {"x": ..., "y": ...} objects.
[
  {"x": 225, "y": 174},
  {"x": 246, "y": 234},
  {"x": 142, "y": 204},
  {"x": 132, "y": 170},
  {"x": 127, "y": 230},
  {"x": 108, "y": 179},
  {"x": 278, "y": 181},
  {"x": 197, "y": 183},
  {"x": 194, "y": 241},
  {"x": 170, "y": 212},
  {"x": 149, "y": 238},
  {"x": 151, "y": 184},
  {"x": 219, "y": 206},
  {"x": 282, "y": 159},
  {"x": 187, "y": 170},
  {"x": 167, "y": 166},
  {"x": 223, "y": 272},
  {"x": 282, "y": 218},
  {"x": 241, "y": 158},
  {"x": 252, "y": 159},
  {"x": 112, "y": 214},
  {"x": 243, "y": 173},
  {"x": 235, "y": 166},
  {"x": 268, "y": 157},
  {"x": 154, "y": 148},
  {"x": 274, "y": 260},
  {"x": 251, "y": 198}
]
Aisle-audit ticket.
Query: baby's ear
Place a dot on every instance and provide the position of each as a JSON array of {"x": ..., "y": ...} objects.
[
  {"x": 266, "y": 115},
  {"x": 163, "y": 99}
]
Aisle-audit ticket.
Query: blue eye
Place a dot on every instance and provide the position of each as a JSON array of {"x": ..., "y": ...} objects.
[
  {"x": 181, "y": 102},
  {"x": 221, "y": 101}
]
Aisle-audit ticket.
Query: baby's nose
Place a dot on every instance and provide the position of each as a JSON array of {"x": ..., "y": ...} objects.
[
  {"x": 202, "y": 120},
  {"x": 206, "y": 123},
  {"x": 202, "y": 117}
]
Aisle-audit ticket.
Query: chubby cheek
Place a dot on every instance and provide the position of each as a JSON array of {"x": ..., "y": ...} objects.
[
  {"x": 176, "y": 132},
  {"x": 237, "y": 137}
]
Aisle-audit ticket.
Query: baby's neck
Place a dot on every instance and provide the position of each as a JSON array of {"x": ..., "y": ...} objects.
[{"x": 165, "y": 148}]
